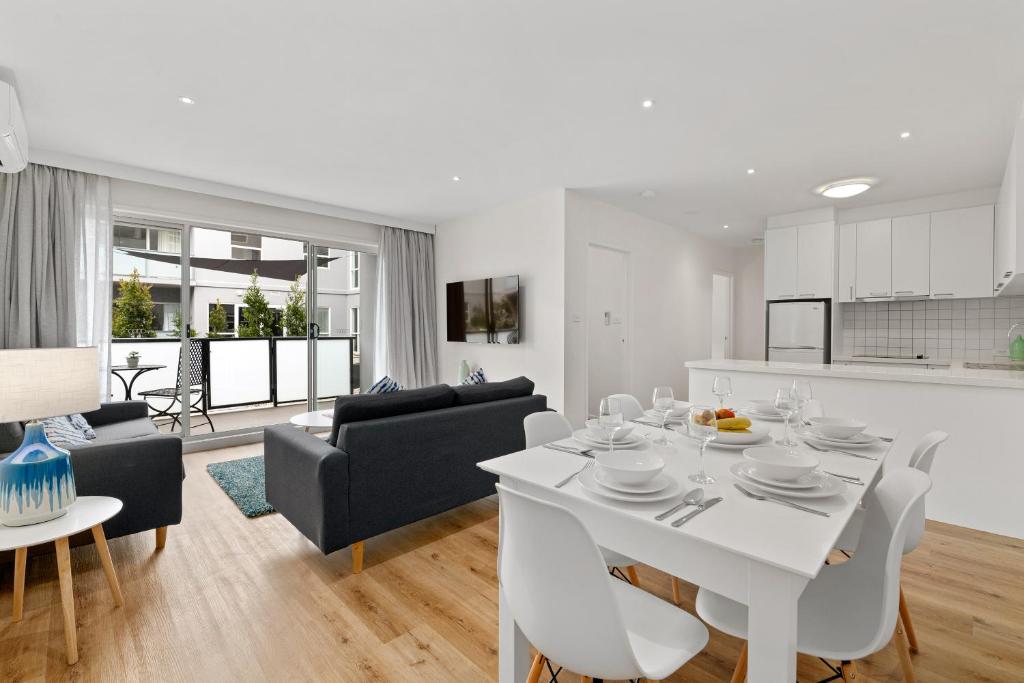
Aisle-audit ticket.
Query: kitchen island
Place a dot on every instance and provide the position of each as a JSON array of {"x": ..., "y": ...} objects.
[{"x": 978, "y": 471}]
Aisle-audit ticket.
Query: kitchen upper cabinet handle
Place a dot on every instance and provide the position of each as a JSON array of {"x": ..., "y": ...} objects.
[
  {"x": 878, "y": 294},
  {"x": 908, "y": 291},
  {"x": 1008, "y": 273},
  {"x": 786, "y": 296},
  {"x": 943, "y": 294},
  {"x": 807, "y": 294},
  {"x": 851, "y": 291}
]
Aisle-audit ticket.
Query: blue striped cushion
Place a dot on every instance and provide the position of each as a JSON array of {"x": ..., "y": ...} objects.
[
  {"x": 61, "y": 433},
  {"x": 475, "y": 377},
  {"x": 385, "y": 385},
  {"x": 82, "y": 425}
]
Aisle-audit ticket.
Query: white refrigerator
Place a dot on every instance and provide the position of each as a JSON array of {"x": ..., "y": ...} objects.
[{"x": 798, "y": 332}]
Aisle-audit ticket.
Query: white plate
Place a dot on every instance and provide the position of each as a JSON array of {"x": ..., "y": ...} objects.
[
  {"x": 830, "y": 486},
  {"x": 739, "y": 446},
  {"x": 653, "y": 486},
  {"x": 807, "y": 481},
  {"x": 757, "y": 435},
  {"x": 859, "y": 440},
  {"x": 674, "y": 418},
  {"x": 591, "y": 485},
  {"x": 633, "y": 441},
  {"x": 833, "y": 443}
]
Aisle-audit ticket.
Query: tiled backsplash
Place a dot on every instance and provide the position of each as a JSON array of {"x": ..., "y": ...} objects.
[{"x": 959, "y": 329}]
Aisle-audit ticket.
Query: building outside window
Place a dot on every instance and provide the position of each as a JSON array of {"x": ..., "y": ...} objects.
[
  {"x": 246, "y": 246},
  {"x": 353, "y": 319},
  {"x": 323, "y": 320},
  {"x": 354, "y": 269}
]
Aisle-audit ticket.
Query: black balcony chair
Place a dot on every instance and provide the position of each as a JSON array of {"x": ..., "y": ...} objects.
[{"x": 196, "y": 389}]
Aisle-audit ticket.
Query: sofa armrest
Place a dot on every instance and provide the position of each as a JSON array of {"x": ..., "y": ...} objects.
[
  {"x": 307, "y": 482},
  {"x": 116, "y": 411},
  {"x": 144, "y": 473}
]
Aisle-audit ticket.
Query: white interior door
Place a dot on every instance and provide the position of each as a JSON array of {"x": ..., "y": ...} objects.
[
  {"x": 721, "y": 316},
  {"x": 607, "y": 324}
]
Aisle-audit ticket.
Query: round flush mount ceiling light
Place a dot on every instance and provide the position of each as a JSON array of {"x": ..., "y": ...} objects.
[
  {"x": 647, "y": 104},
  {"x": 186, "y": 100},
  {"x": 905, "y": 135},
  {"x": 751, "y": 171},
  {"x": 725, "y": 227},
  {"x": 456, "y": 178},
  {"x": 647, "y": 194},
  {"x": 844, "y": 189}
]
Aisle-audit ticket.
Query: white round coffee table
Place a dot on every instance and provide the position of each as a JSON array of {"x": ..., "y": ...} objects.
[
  {"x": 314, "y": 420},
  {"x": 88, "y": 512}
]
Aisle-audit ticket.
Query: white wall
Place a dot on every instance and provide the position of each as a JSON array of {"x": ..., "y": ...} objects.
[
  {"x": 525, "y": 238},
  {"x": 670, "y": 320},
  {"x": 748, "y": 304}
]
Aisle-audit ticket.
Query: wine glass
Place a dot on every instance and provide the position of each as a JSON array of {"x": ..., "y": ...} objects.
[
  {"x": 704, "y": 427},
  {"x": 722, "y": 388},
  {"x": 609, "y": 418},
  {"x": 786, "y": 404},
  {"x": 664, "y": 402},
  {"x": 802, "y": 392}
]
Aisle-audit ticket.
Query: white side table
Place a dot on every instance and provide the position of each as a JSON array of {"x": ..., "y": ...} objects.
[
  {"x": 88, "y": 512},
  {"x": 314, "y": 420}
]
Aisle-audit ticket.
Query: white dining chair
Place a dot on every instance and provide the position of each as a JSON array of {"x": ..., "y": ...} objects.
[
  {"x": 547, "y": 426},
  {"x": 631, "y": 408},
  {"x": 813, "y": 408},
  {"x": 921, "y": 459},
  {"x": 572, "y": 611},
  {"x": 849, "y": 610}
]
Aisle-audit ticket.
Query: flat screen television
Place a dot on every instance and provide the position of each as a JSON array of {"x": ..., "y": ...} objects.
[{"x": 484, "y": 311}]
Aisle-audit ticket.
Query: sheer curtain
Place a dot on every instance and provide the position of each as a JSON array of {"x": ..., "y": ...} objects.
[
  {"x": 55, "y": 282},
  {"x": 405, "y": 344}
]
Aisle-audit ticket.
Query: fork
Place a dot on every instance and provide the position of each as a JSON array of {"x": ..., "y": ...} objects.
[
  {"x": 781, "y": 501},
  {"x": 590, "y": 463},
  {"x": 586, "y": 452},
  {"x": 833, "y": 450}
]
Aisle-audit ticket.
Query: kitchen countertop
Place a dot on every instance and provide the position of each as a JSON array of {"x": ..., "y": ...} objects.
[
  {"x": 883, "y": 359},
  {"x": 955, "y": 374}
]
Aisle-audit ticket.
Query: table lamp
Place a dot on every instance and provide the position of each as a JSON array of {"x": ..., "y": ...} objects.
[{"x": 36, "y": 482}]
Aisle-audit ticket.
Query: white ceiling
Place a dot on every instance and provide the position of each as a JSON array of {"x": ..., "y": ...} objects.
[{"x": 376, "y": 105}]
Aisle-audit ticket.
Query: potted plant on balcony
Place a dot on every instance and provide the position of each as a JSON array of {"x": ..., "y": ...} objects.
[{"x": 133, "y": 359}]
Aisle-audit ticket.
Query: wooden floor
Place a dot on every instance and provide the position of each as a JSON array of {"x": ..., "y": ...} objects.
[{"x": 234, "y": 599}]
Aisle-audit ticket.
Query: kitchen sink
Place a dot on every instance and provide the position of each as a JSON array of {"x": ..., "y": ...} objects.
[{"x": 1017, "y": 365}]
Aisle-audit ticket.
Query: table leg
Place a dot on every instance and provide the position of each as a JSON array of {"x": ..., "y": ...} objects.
[
  {"x": 772, "y": 624},
  {"x": 108, "y": 564},
  {"x": 513, "y": 648},
  {"x": 67, "y": 598},
  {"x": 127, "y": 391},
  {"x": 20, "y": 558}
]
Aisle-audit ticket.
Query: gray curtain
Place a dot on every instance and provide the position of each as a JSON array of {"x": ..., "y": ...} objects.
[{"x": 405, "y": 347}]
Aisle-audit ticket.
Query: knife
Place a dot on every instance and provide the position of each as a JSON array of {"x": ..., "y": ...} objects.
[
  {"x": 700, "y": 508},
  {"x": 569, "y": 449}
]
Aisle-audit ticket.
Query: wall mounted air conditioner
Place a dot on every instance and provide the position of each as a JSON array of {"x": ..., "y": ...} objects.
[{"x": 13, "y": 136}]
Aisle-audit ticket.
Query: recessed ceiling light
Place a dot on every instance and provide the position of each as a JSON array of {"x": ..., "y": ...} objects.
[
  {"x": 750, "y": 171},
  {"x": 647, "y": 104},
  {"x": 647, "y": 194},
  {"x": 186, "y": 100},
  {"x": 456, "y": 178},
  {"x": 843, "y": 189},
  {"x": 725, "y": 227},
  {"x": 904, "y": 135}
]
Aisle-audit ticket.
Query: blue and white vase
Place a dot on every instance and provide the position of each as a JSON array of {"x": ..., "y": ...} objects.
[{"x": 36, "y": 482}]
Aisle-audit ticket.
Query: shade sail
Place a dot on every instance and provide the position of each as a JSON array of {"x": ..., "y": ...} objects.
[{"x": 279, "y": 269}]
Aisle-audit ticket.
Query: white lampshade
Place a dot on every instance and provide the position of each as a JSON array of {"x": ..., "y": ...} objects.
[{"x": 39, "y": 383}]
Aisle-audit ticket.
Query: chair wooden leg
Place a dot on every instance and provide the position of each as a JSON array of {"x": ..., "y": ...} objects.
[
  {"x": 903, "y": 650},
  {"x": 67, "y": 598},
  {"x": 20, "y": 559},
  {"x": 739, "y": 674},
  {"x": 677, "y": 593},
  {"x": 848, "y": 670},
  {"x": 536, "y": 668},
  {"x": 907, "y": 623},
  {"x": 633, "y": 578},
  {"x": 108, "y": 564},
  {"x": 357, "y": 557},
  {"x": 161, "y": 537},
  {"x": 586, "y": 679}
]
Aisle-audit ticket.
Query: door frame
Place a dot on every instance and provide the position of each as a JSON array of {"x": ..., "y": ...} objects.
[
  {"x": 628, "y": 323},
  {"x": 730, "y": 351}
]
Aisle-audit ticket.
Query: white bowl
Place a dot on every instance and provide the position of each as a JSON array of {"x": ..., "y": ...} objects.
[
  {"x": 777, "y": 463},
  {"x": 631, "y": 467},
  {"x": 765, "y": 407},
  {"x": 837, "y": 427},
  {"x": 595, "y": 431}
]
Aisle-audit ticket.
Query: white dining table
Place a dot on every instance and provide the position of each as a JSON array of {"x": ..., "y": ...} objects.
[{"x": 758, "y": 553}]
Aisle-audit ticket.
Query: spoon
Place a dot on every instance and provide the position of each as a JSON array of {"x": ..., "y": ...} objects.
[{"x": 694, "y": 497}]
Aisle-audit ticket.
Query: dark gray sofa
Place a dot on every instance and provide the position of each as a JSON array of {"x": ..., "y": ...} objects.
[
  {"x": 393, "y": 459},
  {"x": 130, "y": 460}
]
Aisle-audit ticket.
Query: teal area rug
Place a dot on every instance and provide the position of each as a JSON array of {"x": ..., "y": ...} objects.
[{"x": 244, "y": 482}]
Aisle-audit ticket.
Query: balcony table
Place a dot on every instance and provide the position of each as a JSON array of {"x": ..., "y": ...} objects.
[
  {"x": 759, "y": 553},
  {"x": 139, "y": 369}
]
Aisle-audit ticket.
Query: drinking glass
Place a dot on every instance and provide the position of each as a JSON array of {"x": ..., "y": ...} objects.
[
  {"x": 722, "y": 388},
  {"x": 664, "y": 402},
  {"x": 703, "y": 427},
  {"x": 802, "y": 392},
  {"x": 609, "y": 417},
  {"x": 786, "y": 404}
]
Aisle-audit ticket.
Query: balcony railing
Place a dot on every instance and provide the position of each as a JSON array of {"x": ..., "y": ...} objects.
[{"x": 245, "y": 371}]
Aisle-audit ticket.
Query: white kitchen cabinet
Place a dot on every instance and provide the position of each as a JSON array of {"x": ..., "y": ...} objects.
[
  {"x": 847, "y": 263},
  {"x": 780, "y": 263},
  {"x": 961, "y": 253},
  {"x": 815, "y": 255},
  {"x": 874, "y": 258},
  {"x": 910, "y": 255}
]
